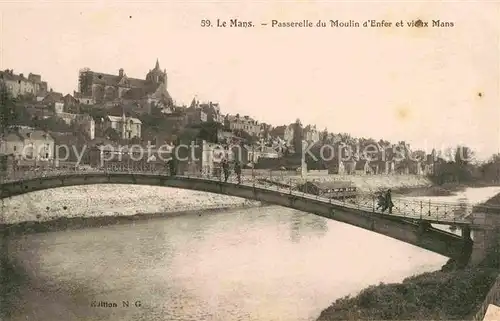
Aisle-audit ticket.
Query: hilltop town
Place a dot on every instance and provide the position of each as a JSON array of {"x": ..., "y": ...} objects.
[{"x": 117, "y": 110}]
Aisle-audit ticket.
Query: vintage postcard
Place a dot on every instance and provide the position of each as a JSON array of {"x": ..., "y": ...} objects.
[{"x": 249, "y": 160}]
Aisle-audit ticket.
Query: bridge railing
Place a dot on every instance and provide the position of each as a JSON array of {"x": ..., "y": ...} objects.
[
  {"x": 406, "y": 208},
  {"x": 42, "y": 173},
  {"x": 411, "y": 209}
]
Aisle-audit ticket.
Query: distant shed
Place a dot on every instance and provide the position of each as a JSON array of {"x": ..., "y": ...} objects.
[{"x": 336, "y": 190}]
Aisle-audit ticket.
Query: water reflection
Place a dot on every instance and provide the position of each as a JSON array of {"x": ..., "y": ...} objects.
[{"x": 304, "y": 224}]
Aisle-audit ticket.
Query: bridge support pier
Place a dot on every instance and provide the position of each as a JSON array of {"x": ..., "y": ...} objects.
[{"x": 486, "y": 231}]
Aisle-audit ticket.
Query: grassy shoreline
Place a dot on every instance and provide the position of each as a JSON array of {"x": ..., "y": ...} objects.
[{"x": 453, "y": 295}]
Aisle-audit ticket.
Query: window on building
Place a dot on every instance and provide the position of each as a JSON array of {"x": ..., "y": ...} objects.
[
  {"x": 29, "y": 152},
  {"x": 15, "y": 148}
]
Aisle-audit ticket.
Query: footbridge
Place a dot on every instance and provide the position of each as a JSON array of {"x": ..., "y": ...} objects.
[{"x": 410, "y": 221}]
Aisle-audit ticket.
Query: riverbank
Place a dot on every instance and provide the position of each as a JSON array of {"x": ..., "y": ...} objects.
[
  {"x": 94, "y": 201},
  {"x": 422, "y": 191},
  {"x": 447, "y": 189},
  {"x": 371, "y": 183},
  {"x": 494, "y": 201},
  {"x": 74, "y": 223},
  {"x": 454, "y": 295},
  {"x": 404, "y": 185}
]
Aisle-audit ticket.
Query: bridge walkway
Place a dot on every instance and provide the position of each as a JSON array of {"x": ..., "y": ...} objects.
[{"x": 415, "y": 210}]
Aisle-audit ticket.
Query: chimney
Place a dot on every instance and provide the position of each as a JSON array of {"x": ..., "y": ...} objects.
[{"x": 120, "y": 72}]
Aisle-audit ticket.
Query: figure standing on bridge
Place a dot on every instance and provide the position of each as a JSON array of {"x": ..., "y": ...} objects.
[
  {"x": 172, "y": 167},
  {"x": 380, "y": 201},
  {"x": 225, "y": 169},
  {"x": 237, "y": 170},
  {"x": 388, "y": 201}
]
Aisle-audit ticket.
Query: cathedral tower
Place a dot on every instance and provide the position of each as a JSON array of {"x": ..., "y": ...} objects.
[{"x": 157, "y": 76}]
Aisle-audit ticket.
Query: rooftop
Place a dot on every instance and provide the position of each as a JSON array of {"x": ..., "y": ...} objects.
[
  {"x": 26, "y": 133},
  {"x": 332, "y": 185},
  {"x": 118, "y": 119}
]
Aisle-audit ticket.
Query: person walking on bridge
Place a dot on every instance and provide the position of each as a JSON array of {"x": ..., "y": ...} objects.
[
  {"x": 225, "y": 169},
  {"x": 171, "y": 167},
  {"x": 380, "y": 201},
  {"x": 388, "y": 201},
  {"x": 237, "y": 170}
]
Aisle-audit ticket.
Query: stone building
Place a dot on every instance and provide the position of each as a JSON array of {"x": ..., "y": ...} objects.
[
  {"x": 244, "y": 123},
  {"x": 288, "y": 133},
  {"x": 27, "y": 144},
  {"x": 19, "y": 85},
  {"x": 310, "y": 134},
  {"x": 98, "y": 87},
  {"x": 195, "y": 115},
  {"x": 127, "y": 127},
  {"x": 83, "y": 122},
  {"x": 212, "y": 110}
]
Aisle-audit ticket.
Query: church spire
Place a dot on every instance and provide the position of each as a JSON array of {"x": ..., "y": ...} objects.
[
  {"x": 193, "y": 102},
  {"x": 157, "y": 66}
]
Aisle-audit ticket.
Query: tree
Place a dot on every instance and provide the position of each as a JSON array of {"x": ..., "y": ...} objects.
[
  {"x": 209, "y": 131},
  {"x": 490, "y": 171},
  {"x": 93, "y": 111},
  {"x": 135, "y": 140},
  {"x": 324, "y": 136},
  {"x": 80, "y": 132},
  {"x": 250, "y": 139},
  {"x": 85, "y": 81},
  {"x": 27, "y": 97},
  {"x": 463, "y": 160},
  {"x": 463, "y": 155},
  {"x": 298, "y": 135},
  {"x": 112, "y": 134},
  {"x": 266, "y": 130},
  {"x": 8, "y": 112},
  {"x": 54, "y": 123},
  {"x": 458, "y": 170}
]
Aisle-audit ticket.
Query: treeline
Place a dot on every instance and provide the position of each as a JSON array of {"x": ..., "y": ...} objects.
[{"x": 463, "y": 169}]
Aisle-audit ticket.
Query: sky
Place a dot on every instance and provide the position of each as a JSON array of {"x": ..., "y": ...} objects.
[{"x": 431, "y": 87}]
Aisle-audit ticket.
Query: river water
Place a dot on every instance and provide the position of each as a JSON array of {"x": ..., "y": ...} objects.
[{"x": 267, "y": 263}]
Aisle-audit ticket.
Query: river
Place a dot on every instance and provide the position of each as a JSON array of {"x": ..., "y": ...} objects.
[{"x": 265, "y": 263}]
